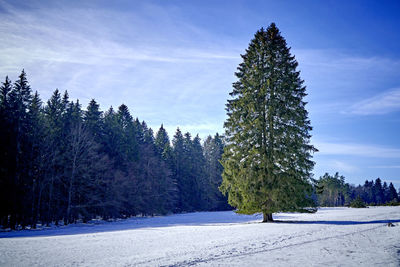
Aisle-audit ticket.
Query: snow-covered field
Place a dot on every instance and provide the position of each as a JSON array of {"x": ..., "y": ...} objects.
[{"x": 331, "y": 237}]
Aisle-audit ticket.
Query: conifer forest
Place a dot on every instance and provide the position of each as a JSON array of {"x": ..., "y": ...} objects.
[
  {"x": 199, "y": 133},
  {"x": 62, "y": 163}
]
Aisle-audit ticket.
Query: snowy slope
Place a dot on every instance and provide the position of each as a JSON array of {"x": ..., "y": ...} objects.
[{"x": 332, "y": 237}]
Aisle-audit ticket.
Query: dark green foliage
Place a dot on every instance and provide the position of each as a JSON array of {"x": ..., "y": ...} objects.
[
  {"x": 267, "y": 160},
  {"x": 59, "y": 163},
  {"x": 378, "y": 192},
  {"x": 163, "y": 145},
  {"x": 393, "y": 202},
  {"x": 127, "y": 131},
  {"x": 357, "y": 203},
  {"x": 392, "y": 194},
  {"x": 213, "y": 150},
  {"x": 6, "y": 157},
  {"x": 93, "y": 120},
  {"x": 333, "y": 191},
  {"x": 186, "y": 171}
]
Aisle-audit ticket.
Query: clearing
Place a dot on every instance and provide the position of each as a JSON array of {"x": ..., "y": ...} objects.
[{"x": 332, "y": 236}]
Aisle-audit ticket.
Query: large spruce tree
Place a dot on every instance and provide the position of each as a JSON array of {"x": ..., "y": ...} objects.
[{"x": 267, "y": 160}]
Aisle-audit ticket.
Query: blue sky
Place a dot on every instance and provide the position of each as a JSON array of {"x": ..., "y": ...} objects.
[{"x": 173, "y": 62}]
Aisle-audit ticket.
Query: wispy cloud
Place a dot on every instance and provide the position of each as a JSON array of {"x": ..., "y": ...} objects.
[
  {"x": 336, "y": 80},
  {"x": 164, "y": 68},
  {"x": 385, "y": 167},
  {"x": 342, "y": 166},
  {"x": 380, "y": 104},
  {"x": 326, "y": 148},
  {"x": 84, "y": 36}
]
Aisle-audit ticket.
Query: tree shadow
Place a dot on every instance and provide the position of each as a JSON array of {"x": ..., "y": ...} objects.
[
  {"x": 337, "y": 222},
  {"x": 183, "y": 219},
  {"x": 186, "y": 219}
]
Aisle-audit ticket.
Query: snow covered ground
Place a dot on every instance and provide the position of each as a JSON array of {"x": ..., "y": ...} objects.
[{"x": 331, "y": 237}]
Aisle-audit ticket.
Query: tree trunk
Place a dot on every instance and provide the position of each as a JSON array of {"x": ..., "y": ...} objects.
[
  {"x": 70, "y": 188},
  {"x": 267, "y": 217}
]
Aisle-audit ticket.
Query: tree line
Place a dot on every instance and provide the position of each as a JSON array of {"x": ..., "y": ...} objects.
[
  {"x": 60, "y": 163},
  {"x": 334, "y": 191}
]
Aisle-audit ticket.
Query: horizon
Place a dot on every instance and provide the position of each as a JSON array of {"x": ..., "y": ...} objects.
[{"x": 173, "y": 63}]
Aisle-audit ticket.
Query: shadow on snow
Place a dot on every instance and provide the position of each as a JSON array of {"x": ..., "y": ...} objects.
[
  {"x": 336, "y": 222},
  {"x": 186, "y": 219}
]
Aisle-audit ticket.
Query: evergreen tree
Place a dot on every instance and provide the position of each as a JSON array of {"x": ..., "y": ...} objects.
[
  {"x": 112, "y": 135},
  {"x": 5, "y": 90},
  {"x": 378, "y": 192},
  {"x": 116, "y": 182},
  {"x": 199, "y": 175},
  {"x": 179, "y": 171},
  {"x": 55, "y": 114},
  {"x": 213, "y": 149},
  {"x": 368, "y": 194},
  {"x": 128, "y": 130},
  {"x": 37, "y": 152},
  {"x": 267, "y": 161},
  {"x": 335, "y": 192},
  {"x": 60, "y": 163},
  {"x": 93, "y": 120},
  {"x": 6, "y": 148},
  {"x": 163, "y": 144},
  {"x": 157, "y": 185},
  {"x": 392, "y": 193},
  {"x": 148, "y": 134},
  {"x": 385, "y": 190},
  {"x": 20, "y": 98}
]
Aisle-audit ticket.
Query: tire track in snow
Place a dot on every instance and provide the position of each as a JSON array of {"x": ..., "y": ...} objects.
[{"x": 256, "y": 251}]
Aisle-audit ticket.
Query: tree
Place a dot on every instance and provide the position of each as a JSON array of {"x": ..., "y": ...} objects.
[
  {"x": 385, "y": 190},
  {"x": 55, "y": 112},
  {"x": 213, "y": 149},
  {"x": 267, "y": 160},
  {"x": 335, "y": 191},
  {"x": 162, "y": 144},
  {"x": 378, "y": 191},
  {"x": 183, "y": 172},
  {"x": 93, "y": 120},
  {"x": 36, "y": 135},
  {"x": 5, "y": 90},
  {"x": 6, "y": 147},
  {"x": 198, "y": 174},
  {"x": 128, "y": 144},
  {"x": 392, "y": 193},
  {"x": 358, "y": 203},
  {"x": 20, "y": 98},
  {"x": 368, "y": 194}
]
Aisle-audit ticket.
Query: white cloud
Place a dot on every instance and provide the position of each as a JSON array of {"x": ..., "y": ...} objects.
[
  {"x": 380, "y": 104},
  {"x": 150, "y": 58},
  {"x": 326, "y": 148},
  {"x": 88, "y": 37},
  {"x": 335, "y": 80},
  {"x": 385, "y": 167},
  {"x": 341, "y": 166}
]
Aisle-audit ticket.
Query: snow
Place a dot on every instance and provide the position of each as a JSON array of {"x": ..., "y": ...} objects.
[{"x": 332, "y": 236}]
